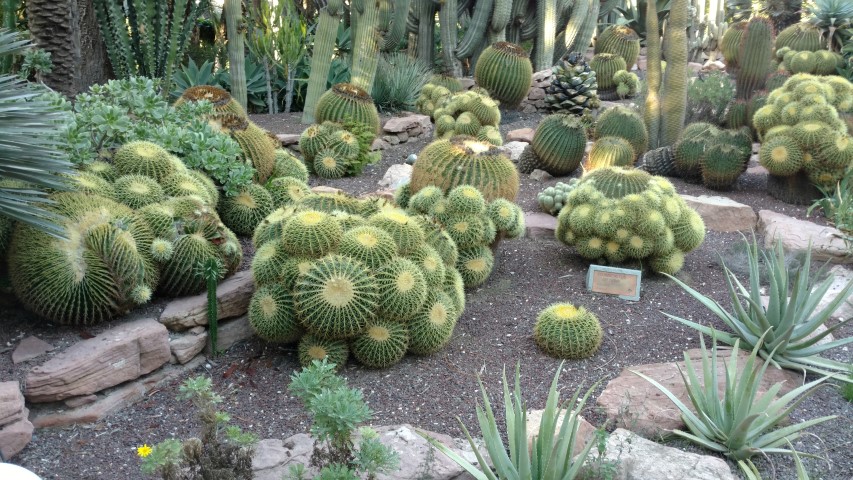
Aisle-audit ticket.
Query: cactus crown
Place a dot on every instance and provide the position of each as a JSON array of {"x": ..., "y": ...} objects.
[
  {"x": 616, "y": 182},
  {"x": 353, "y": 92},
  {"x": 215, "y": 95},
  {"x": 510, "y": 49},
  {"x": 233, "y": 122}
]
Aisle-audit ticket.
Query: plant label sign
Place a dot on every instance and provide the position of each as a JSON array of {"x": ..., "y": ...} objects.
[{"x": 614, "y": 281}]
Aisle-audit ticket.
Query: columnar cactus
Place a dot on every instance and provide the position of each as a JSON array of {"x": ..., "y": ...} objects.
[
  {"x": 730, "y": 43},
  {"x": 674, "y": 105},
  {"x": 366, "y": 47},
  {"x": 321, "y": 59},
  {"x": 236, "y": 30},
  {"x": 652, "y": 112},
  {"x": 546, "y": 30},
  {"x": 756, "y": 52}
]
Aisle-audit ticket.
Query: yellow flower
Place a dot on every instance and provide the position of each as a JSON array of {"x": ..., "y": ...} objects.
[{"x": 143, "y": 451}]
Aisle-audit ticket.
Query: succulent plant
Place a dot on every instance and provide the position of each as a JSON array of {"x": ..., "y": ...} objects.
[
  {"x": 347, "y": 102},
  {"x": 136, "y": 191},
  {"x": 144, "y": 158},
  {"x": 721, "y": 165},
  {"x": 312, "y": 347},
  {"x": 272, "y": 315},
  {"x": 565, "y": 331},
  {"x": 609, "y": 152},
  {"x": 620, "y": 40},
  {"x": 756, "y": 52},
  {"x": 802, "y": 62},
  {"x": 552, "y": 199},
  {"x": 244, "y": 211},
  {"x": 798, "y": 37},
  {"x": 559, "y": 144},
  {"x": 383, "y": 343},
  {"x": 605, "y": 66},
  {"x": 287, "y": 190},
  {"x": 310, "y": 233},
  {"x": 659, "y": 161},
  {"x": 102, "y": 169},
  {"x": 574, "y": 89},
  {"x": 475, "y": 264},
  {"x": 625, "y": 123},
  {"x": 372, "y": 246},
  {"x": 627, "y": 84},
  {"x": 287, "y": 165},
  {"x": 468, "y": 113},
  {"x": 504, "y": 69},
  {"x": 730, "y": 43},
  {"x": 432, "y": 326}
]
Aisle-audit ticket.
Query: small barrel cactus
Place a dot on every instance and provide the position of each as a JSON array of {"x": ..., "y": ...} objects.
[
  {"x": 504, "y": 69},
  {"x": 347, "y": 102},
  {"x": 565, "y": 331}
]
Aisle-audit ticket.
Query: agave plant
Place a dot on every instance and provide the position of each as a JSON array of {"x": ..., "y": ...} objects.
[
  {"x": 29, "y": 141},
  {"x": 832, "y": 16},
  {"x": 550, "y": 456},
  {"x": 738, "y": 422},
  {"x": 789, "y": 324}
]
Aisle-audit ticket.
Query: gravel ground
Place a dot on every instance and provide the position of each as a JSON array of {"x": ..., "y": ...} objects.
[{"x": 430, "y": 392}]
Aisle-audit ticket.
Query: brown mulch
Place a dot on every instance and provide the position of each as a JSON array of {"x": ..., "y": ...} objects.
[{"x": 430, "y": 392}]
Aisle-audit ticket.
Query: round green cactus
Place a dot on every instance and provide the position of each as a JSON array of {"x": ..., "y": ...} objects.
[
  {"x": 451, "y": 83},
  {"x": 836, "y": 152},
  {"x": 465, "y": 199},
  {"x": 802, "y": 62},
  {"x": 210, "y": 187},
  {"x": 659, "y": 161},
  {"x": 268, "y": 262},
  {"x": 405, "y": 231},
  {"x": 490, "y": 134},
  {"x": 182, "y": 184},
  {"x": 423, "y": 201},
  {"x": 504, "y": 69},
  {"x": 430, "y": 263},
  {"x": 690, "y": 148},
  {"x": 327, "y": 164},
  {"x": 347, "y": 102},
  {"x": 223, "y": 102},
  {"x": 620, "y": 40},
  {"x": 467, "y": 230},
  {"x": 559, "y": 144},
  {"x": 144, "y": 158},
  {"x": 466, "y": 124},
  {"x": 102, "y": 169},
  {"x": 609, "y": 152},
  {"x": 454, "y": 287},
  {"x": 272, "y": 315},
  {"x": 329, "y": 202},
  {"x": 91, "y": 184},
  {"x": 311, "y": 233},
  {"x": 438, "y": 238},
  {"x": 605, "y": 66},
  {"x": 312, "y": 347},
  {"x": 402, "y": 289},
  {"x": 505, "y": 215},
  {"x": 371, "y": 246},
  {"x": 244, "y": 211},
  {"x": 179, "y": 274},
  {"x": 336, "y": 297},
  {"x": 136, "y": 191},
  {"x": 721, "y": 165},
  {"x": 781, "y": 156},
  {"x": 287, "y": 191},
  {"x": 730, "y": 43},
  {"x": 287, "y": 165},
  {"x": 258, "y": 148},
  {"x": 826, "y": 62},
  {"x": 689, "y": 231},
  {"x": 382, "y": 344},
  {"x": 475, "y": 265},
  {"x": 624, "y": 123},
  {"x": 432, "y": 326},
  {"x": 565, "y": 331},
  {"x": 811, "y": 134}
]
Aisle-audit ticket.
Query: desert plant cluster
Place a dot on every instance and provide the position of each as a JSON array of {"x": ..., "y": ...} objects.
[{"x": 158, "y": 178}]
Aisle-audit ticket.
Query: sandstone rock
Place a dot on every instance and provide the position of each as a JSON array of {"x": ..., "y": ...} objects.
[
  {"x": 542, "y": 75},
  {"x": 467, "y": 83},
  {"x": 187, "y": 346},
  {"x": 513, "y": 149},
  {"x": 826, "y": 242},
  {"x": 232, "y": 300},
  {"x": 114, "y": 400},
  {"x": 402, "y": 124},
  {"x": 288, "y": 139},
  {"x": 694, "y": 67},
  {"x": 120, "y": 354},
  {"x": 536, "y": 93},
  {"x": 722, "y": 214},
  {"x": 379, "y": 144},
  {"x": 273, "y": 457},
  {"x": 540, "y": 225},
  {"x": 843, "y": 276},
  {"x": 403, "y": 137},
  {"x": 75, "y": 402},
  {"x": 416, "y": 132},
  {"x": 231, "y": 332},
  {"x": 15, "y": 436},
  {"x": 396, "y": 175},
  {"x": 11, "y": 403},
  {"x": 585, "y": 430},
  {"x": 634, "y": 403},
  {"x": 30, "y": 348},
  {"x": 540, "y": 175},
  {"x": 520, "y": 135},
  {"x": 639, "y": 459},
  {"x": 326, "y": 189}
]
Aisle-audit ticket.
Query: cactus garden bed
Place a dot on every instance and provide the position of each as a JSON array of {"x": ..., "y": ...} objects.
[{"x": 495, "y": 329}]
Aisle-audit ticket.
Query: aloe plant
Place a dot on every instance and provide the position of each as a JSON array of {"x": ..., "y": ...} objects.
[
  {"x": 832, "y": 17},
  {"x": 549, "y": 458},
  {"x": 738, "y": 422},
  {"x": 788, "y": 325}
]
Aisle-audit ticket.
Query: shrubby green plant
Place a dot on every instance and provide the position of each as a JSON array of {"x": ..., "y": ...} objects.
[
  {"x": 551, "y": 454},
  {"x": 35, "y": 64},
  {"x": 785, "y": 333},
  {"x": 738, "y": 422},
  {"x": 337, "y": 411},
  {"x": 121, "y": 111},
  {"x": 837, "y": 205},
  {"x": 224, "y": 451},
  {"x": 707, "y": 98}
]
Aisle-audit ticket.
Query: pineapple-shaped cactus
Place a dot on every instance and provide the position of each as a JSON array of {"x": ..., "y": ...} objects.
[{"x": 575, "y": 88}]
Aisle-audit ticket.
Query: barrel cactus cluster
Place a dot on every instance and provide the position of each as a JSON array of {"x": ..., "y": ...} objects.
[
  {"x": 617, "y": 215},
  {"x": 802, "y": 131},
  {"x": 627, "y": 84},
  {"x": 625, "y": 123},
  {"x": 619, "y": 40},
  {"x": 376, "y": 285},
  {"x": 574, "y": 89},
  {"x": 469, "y": 113},
  {"x": 331, "y": 150},
  {"x": 820, "y": 62},
  {"x": 558, "y": 146},
  {"x": 711, "y": 155},
  {"x": 565, "y": 331},
  {"x": 472, "y": 223}
]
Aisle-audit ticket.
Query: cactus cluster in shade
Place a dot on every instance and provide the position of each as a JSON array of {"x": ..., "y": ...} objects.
[
  {"x": 345, "y": 276},
  {"x": 802, "y": 131},
  {"x": 552, "y": 199},
  {"x": 335, "y": 150},
  {"x": 505, "y": 71},
  {"x": 619, "y": 40},
  {"x": 568, "y": 332},
  {"x": 558, "y": 146},
  {"x": 462, "y": 160},
  {"x": 713, "y": 156},
  {"x": 820, "y": 62},
  {"x": 574, "y": 89},
  {"x": 469, "y": 113},
  {"x": 617, "y": 215},
  {"x": 347, "y": 102},
  {"x": 432, "y": 96},
  {"x": 470, "y": 222}
]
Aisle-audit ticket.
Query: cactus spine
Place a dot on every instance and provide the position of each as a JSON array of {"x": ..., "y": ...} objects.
[
  {"x": 321, "y": 60},
  {"x": 674, "y": 106},
  {"x": 756, "y": 51},
  {"x": 653, "y": 75},
  {"x": 235, "y": 28}
]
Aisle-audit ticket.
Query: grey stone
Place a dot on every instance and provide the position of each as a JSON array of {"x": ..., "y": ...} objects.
[
  {"x": 288, "y": 139},
  {"x": 843, "y": 276},
  {"x": 540, "y": 225},
  {"x": 396, "y": 175},
  {"x": 527, "y": 108},
  {"x": 540, "y": 175},
  {"x": 231, "y": 332},
  {"x": 391, "y": 139},
  {"x": 416, "y": 132},
  {"x": 798, "y": 235},
  {"x": 639, "y": 459},
  {"x": 536, "y": 93},
  {"x": 467, "y": 83},
  {"x": 542, "y": 75},
  {"x": 185, "y": 347},
  {"x": 402, "y": 124},
  {"x": 403, "y": 137},
  {"x": 232, "y": 300},
  {"x": 30, "y": 348},
  {"x": 513, "y": 149},
  {"x": 694, "y": 67},
  {"x": 123, "y": 353},
  {"x": 722, "y": 214},
  {"x": 379, "y": 144}
]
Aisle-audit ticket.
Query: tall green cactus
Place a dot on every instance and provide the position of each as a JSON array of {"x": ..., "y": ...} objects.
[
  {"x": 321, "y": 60},
  {"x": 476, "y": 29},
  {"x": 517, "y": 16},
  {"x": 426, "y": 30},
  {"x": 651, "y": 114},
  {"x": 566, "y": 37},
  {"x": 236, "y": 49},
  {"x": 546, "y": 30},
  {"x": 366, "y": 45},
  {"x": 397, "y": 29},
  {"x": 756, "y": 53},
  {"x": 447, "y": 17},
  {"x": 674, "y": 106},
  {"x": 587, "y": 30},
  {"x": 501, "y": 14}
]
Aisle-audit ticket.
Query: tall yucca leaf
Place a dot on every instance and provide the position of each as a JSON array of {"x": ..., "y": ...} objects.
[{"x": 28, "y": 146}]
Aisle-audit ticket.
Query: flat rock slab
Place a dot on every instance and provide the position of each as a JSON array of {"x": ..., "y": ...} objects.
[
  {"x": 115, "y": 400},
  {"x": 288, "y": 139},
  {"x": 396, "y": 175},
  {"x": 123, "y": 353},
  {"x": 639, "y": 459},
  {"x": 231, "y": 332},
  {"x": 273, "y": 457},
  {"x": 185, "y": 347},
  {"x": 540, "y": 175},
  {"x": 15, "y": 436},
  {"x": 521, "y": 135},
  {"x": 408, "y": 122},
  {"x": 30, "y": 348},
  {"x": 540, "y": 225},
  {"x": 843, "y": 276},
  {"x": 826, "y": 242},
  {"x": 722, "y": 214},
  {"x": 634, "y": 403},
  {"x": 232, "y": 300}
]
